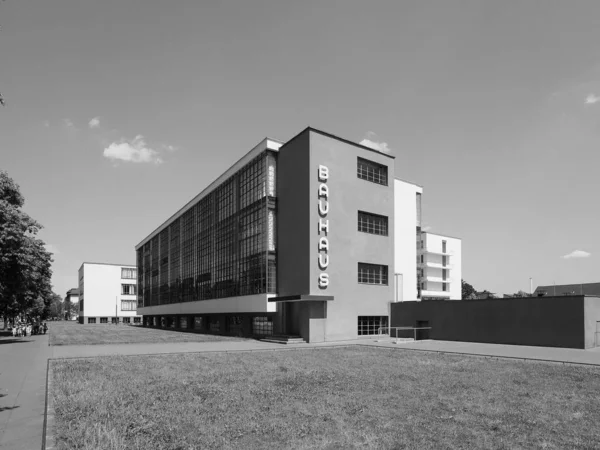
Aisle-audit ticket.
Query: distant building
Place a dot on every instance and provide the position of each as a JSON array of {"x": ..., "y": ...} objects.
[
  {"x": 72, "y": 298},
  {"x": 483, "y": 295},
  {"x": 439, "y": 267},
  {"x": 107, "y": 294},
  {"x": 567, "y": 289}
]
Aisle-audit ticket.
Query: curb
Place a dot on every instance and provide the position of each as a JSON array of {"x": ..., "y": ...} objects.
[{"x": 48, "y": 440}]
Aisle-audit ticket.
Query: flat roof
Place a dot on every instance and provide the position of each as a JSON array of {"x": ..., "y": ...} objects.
[
  {"x": 441, "y": 235},
  {"x": 265, "y": 144},
  {"x": 408, "y": 182},
  {"x": 129, "y": 266}
]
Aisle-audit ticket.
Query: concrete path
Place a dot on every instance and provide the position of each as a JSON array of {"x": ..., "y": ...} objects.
[
  {"x": 23, "y": 363},
  {"x": 549, "y": 354}
]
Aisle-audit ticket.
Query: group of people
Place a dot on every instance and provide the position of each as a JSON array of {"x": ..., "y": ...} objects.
[{"x": 23, "y": 329}]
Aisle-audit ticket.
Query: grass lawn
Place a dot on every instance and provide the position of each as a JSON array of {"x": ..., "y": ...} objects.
[
  {"x": 338, "y": 398},
  {"x": 72, "y": 333}
]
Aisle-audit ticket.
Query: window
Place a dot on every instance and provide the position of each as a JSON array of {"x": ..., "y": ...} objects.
[
  {"x": 372, "y": 325},
  {"x": 128, "y": 305},
  {"x": 372, "y": 223},
  {"x": 262, "y": 325},
  {"x": 137, "y": 320},
  {"x": 183, "y": 322},
  {"x": 103, "y": 320},
  {"x": 128, "y": 289},
  {"x": 126, "y": 319},
  {"x": 114, "y": 320},
  {"x": 372, "y": 274},
  {"x": 197, "y": 323},
  {"x": 234, "y": 323},
  {"x": 214, "y": 325},
  {"x": 372, "y": 171},
  {"x": 91, "y": 320},
  {"x": 443, "y": 246},
  {"x": 129, "y": 274}
]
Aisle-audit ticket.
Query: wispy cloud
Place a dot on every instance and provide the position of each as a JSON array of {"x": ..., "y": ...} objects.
[
  {"x": 427, "y": 228},
  {"x": 576, "y": 254},
  {"x": 135, "y": 151},
  {"x": 170, "y": 148},
  {"x": 68, "y": 123},
  {"x": 52, "y": 248},
  {"x": 94, "y": 123},
  {"x": 372, "y": 141},
  {"x": 592, "y": 99}
]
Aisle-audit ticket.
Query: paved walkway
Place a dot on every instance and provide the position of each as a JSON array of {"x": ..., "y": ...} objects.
[{"x": 24, "y": 362}]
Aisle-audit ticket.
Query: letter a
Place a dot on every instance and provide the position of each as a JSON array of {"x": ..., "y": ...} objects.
[
  {"x": 323, "y": 190},
  {"x": 323, "y": 244}
]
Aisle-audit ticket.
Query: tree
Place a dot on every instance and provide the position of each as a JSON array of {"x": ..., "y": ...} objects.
[
  {"x": 57, "y": 307},
  {"x": 468, "y": 291},
  {"x": 25, "y": 265}
]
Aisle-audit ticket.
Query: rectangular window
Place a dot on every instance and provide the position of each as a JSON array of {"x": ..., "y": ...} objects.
[
  {"x": 368, "y": 325},
  {"x": 443, "y": 246},
  {"x": 114, "y": 320},
  {"x": 372, "y": 171},
  {"x": 262, "y": 325},
  {"x": 198, "y": 323},
  {"x": 103, "y": 320},
  {"x": 372, "y": 223},
  {"x": 128, "y": 289},
  {"x": 183, "y": 323},
  {"x": 137, "y": 320},
  {"x": 128, "y": 305},
  {"x": 126, "y": 319},
  {"x": 372, "y": 274},
  {"x": 234, "y": 325},
  {"x": 129, "y": 274},
  {"x": 91, "y": 320}
]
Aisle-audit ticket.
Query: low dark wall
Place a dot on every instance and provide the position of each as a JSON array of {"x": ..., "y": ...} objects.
[{"x": 539, "y": 321}]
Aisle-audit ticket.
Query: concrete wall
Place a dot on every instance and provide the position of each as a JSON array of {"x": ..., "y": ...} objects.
[
  {"x": 405, "y": 238},
  {"x": 592, "y": 322},
  {"x": 101, "y": 291},
  {"x": 347, "y": 195},
  {"x": 293, "y": 217},
  {"x": 538, "y": 321}
]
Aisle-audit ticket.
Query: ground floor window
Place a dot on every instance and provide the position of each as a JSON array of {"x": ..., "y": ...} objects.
[
  {"x": 197, "y": 323},
  {"x": 262, "y": 325},
  {"x": 103, "y": 320},
  {"x": 126, "y": 320},
  {"x": 372, "y": 325},
  {"x": 91, "y": 320},
  {"x": 235, "y": 324},
  {"x": 214, "y": 325},
  {"x": 137, "y": 320},
  {"x": 183, "y": 322},
  {"x": 114, "y": 320}
]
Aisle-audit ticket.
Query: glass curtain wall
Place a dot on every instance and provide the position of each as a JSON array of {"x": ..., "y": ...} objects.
[{"x": 223, "y": 246}]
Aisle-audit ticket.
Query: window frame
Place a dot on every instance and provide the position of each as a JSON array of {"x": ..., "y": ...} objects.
[
  {"x": 377, "y": 272},
  {"x": 371, "y": 223},
  {"x": 372, "y": 171}
]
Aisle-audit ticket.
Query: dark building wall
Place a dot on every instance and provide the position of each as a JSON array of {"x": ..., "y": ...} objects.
[
  {"x": 293, "y": 217},
  {"x": 538, "y": 321}
]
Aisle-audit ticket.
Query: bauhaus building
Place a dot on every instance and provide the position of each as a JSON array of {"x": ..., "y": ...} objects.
[{"x": 312, "y": 237}]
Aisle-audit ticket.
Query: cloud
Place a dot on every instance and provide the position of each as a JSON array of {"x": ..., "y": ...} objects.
[
  {"x": 427, "y": 228},
  {"x": 94, "y": 123},
  {"x": 135, "y": 151},
  {"x": 576, "y": 254},
  {"x": 591, "y": 99},
  {"x": 170, "y": 148},
  {"x": 52, "y": 248},
  {"x": 371, "y": 141},
  {"x": 68, "y": 123}
]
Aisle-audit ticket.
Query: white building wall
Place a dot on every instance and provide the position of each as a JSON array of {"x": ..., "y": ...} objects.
[
  {"x": 405, "y": 239},
  {"x": 432, "y": 249},
  {"x": 101, "y": 285}
]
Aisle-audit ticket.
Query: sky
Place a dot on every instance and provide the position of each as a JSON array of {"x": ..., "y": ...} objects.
[{"x": 119, "y": 112}]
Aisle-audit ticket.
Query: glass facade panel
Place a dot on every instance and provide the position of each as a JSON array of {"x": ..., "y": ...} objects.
[
  {"x": 372, "y": 325},
  {"x": 223, "y": 246}
]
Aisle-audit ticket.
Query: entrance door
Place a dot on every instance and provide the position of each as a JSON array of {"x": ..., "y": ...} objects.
[{"x": 422, "y": 334}]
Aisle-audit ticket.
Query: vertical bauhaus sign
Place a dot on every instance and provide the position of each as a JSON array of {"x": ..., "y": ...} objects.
[{"x": 323, "y": 226}]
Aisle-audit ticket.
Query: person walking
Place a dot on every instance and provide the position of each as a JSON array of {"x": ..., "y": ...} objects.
[{"x": 45, "y": 328}]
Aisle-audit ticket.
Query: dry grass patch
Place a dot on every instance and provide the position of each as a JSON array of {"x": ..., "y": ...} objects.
[
  {"x": 352, "y": 397},
  {"x": 71, "y": 333}
]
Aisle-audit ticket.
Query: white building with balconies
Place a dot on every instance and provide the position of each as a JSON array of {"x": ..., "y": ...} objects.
[
  {"x": 438, "y": 267},
  {"x": 427, "y": 266}
]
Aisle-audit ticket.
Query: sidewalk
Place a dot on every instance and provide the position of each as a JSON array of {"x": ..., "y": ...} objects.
[{"x": 22, "y": 391}]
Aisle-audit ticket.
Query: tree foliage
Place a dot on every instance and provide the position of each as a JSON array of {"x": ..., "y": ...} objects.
[
  {"x": 25, "y": 265},
  {"x": 468, "y": 291}
]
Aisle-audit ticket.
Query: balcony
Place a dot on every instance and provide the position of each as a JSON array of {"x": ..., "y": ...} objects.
[
  {"x": 433, "y": 265},
  {"x": 439, "y": 294},
  {"x": 437, "y": 279},
  {"x": 435, "y": 251}
]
